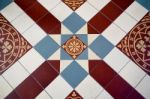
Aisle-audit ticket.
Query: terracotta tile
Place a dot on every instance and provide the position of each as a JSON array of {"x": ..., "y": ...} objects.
[
  {"x": 12, "y": 45},
  {"x": 74, "y": 95},
  {"x": 48, "y": 23},
  {"x": 25, "y": 4},
  {"x": 45, "y": 74},
  {"x": 28, "y": 89},
  {"x": 111, "y": 8},
  {"x": 137, "y": 48},
  {"x": 98, "y": 24},
  {"x": 74, "y": 4},
  {"x": 123, "y": 3},
  {"x": 55, "y": 64},
  {"x": 12, "y": 95},
  {"x": 36, "y": 11},
  {"x": 120, "y": 89},
  {"x": 102, "y": 73},
  {"x": 135, "y": 95}
]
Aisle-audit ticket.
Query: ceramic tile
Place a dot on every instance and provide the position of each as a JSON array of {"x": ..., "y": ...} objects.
[
  {"x": 13, "y": 45},
  {"x": 4, "y": 3},
  {"x": 140, "y": 36},
  {"x": 80, "y": 49},
  {"x": 74, "y": 4},
  {"x": 11, "y": 11}
]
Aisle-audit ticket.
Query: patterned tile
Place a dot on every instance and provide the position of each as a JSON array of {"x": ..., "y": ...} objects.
[
  {"x": 74, "y": 95},
  {"x": 13, "y": 45},
  {"x": 136, "y": 44},
  {"x": 74, "y": 4}
]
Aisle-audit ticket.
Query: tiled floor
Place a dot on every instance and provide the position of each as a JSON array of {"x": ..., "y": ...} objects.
[{"x": 75, "y": 49}]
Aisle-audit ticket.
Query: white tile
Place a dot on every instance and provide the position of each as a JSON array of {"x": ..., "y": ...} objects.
[
  {"x": 104, "y": 95},
  {"x": 61, "y": 11},
  {"x": 125, "y": 22},
  {"x": 92, "y": 55},
  {"x": 59, "y": 88},
  {"x": 64, "y": 64},
  {"x": 34, "y": 34},
  {"x": 144, "y": 88},
  {"x": 116, "y": 59},
  {"x": 99, "y": 4},
  {"x": 31, "y": 60},
  {"x": 136, "y": 10},
  {"x": 11, "y": 11},
  {"x": 84, "y": 64},
  {"x": 114, "y": 34},
  {"x": 132, "y": 73},
  {"x": 15, "y": 71},
  {"x": 5, "y": 88},
  {"x": 89, "y": 88},
  {"x": 43, "y": 95},
  {"x": 86, "y": 11},
  {"x": 49, "y": 4},
  {"x": 22, "y": 22}
]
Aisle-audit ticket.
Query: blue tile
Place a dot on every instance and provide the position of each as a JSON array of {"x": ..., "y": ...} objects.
[
  {"x": 83, "y": 55},
  {"x": 74, "y": 74},
  {"x": 74, "y": 22},
  {"x": 4, "y": 3},
  {"x": 46, "y": 47},
  {"x": 65, "y": 55},
  {"x": 145, "y": 3},
  {"x": 83, "y": 38},
  {"x": 101, "y": 46}
]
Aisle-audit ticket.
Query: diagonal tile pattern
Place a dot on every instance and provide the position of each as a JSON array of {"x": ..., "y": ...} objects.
[{"x": 82, "y": 49}]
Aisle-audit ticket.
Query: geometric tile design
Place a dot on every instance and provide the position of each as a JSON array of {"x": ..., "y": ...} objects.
[
  {"x": 136, "y": 45},
  {"x": 145, "y": 3},
  {"x": 46, "y": 47},
  {"x": 74, "y": 95},
  {"x": 74, "y": 22},
  {"x": 12, "y": 45},
  {"x": 4, "y": 3},
  {"x": 101, "y": 46},
  {"x": 74, "y": 4},
  {"x": 74, "y": 74},
  {"x": 74, "y": 47}
]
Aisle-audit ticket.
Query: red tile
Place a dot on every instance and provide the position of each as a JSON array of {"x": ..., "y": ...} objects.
[
  {"x": 48, "y": 23},
  {"x": 45, "y": 74},
  {"x": 102, "y": 73},
  {"x": 25, "y": 4},
  {"x": 12, "y": 95},
  {"x": 123, "y": 4},
  {"x": 111, "y": 11},
  {"x": 135, "y": 95},
  {"x": 28, "y": 89},
  {"x": 36, "y": 11},
  {"x": 55, "y": 64},
  {"x": 74, "y": 95},
  {"x": 98, "y": 24},
  {"x": 120, "y": 89}
]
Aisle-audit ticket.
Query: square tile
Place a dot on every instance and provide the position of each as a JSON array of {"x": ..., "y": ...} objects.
[
  {"x": 22, "y": 22},
  {"x": 59, "y": 88},
  {"x": 125, "y": 25},
  {"x": 136, "y": 10},
  {"x": 144, "y": 3},
  {"x": 4, "y": 3},
  {"x": 5, "y": 88},
  {"x": 89, "y": 88},
  {"x": 74, "y": 74},
  {"x": 143, "y": 87},
  {"x": 11, "y": 11},
  {"x": 61, "y": 11},
  {"x": 104, "y": 95},
  {"x": 34, "y": 34},
  {"x": 74, "y": 22},
  {"x": 43, "y": 95},
  {"x": 27, "y": 60},
  {"x": 15, "y": 71},
  {"x": 46, "y": 47},
  {"x": 99, "y": 4},
  {"x": 132, "y": 73},
  {"x": 114, "y": 34},
  {"x": 86, "y": 11},
  {"x": 101, "y": 46},
  {"x": 114, "y": 61}
]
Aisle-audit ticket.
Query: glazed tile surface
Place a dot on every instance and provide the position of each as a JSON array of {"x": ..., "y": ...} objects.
[{"x": 75, "y": 49}]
